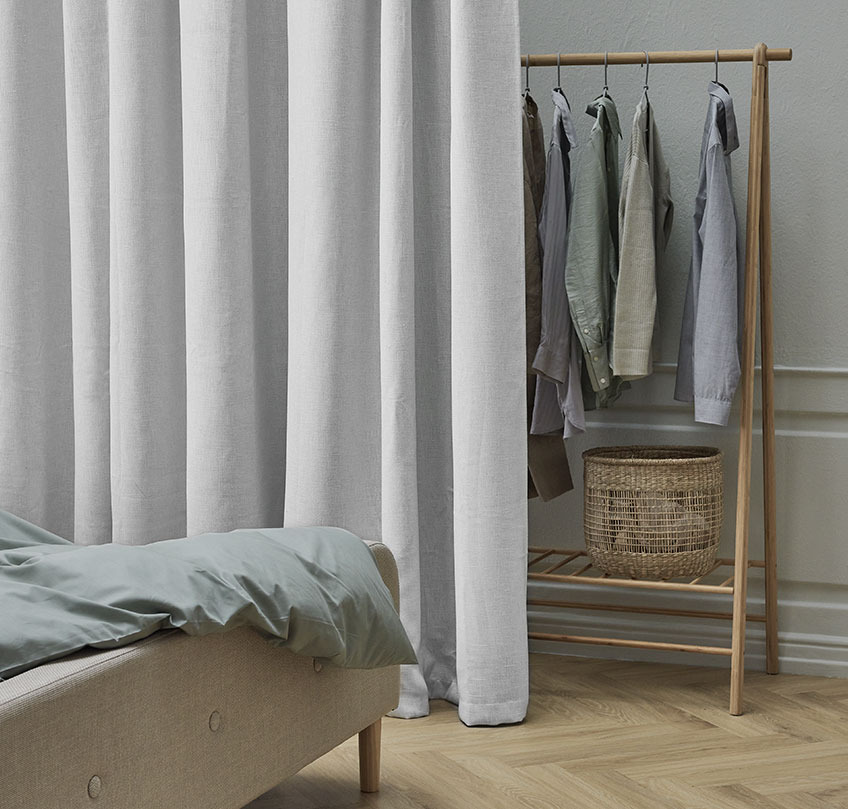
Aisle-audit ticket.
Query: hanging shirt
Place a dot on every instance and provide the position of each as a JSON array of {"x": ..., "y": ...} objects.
[
  {"x": 708, "y": 360},
  {"x": 558, "y": 403},
  {"x": 548, "y": 472},
  {"x": 645, "y": 213},
  {"x": 534, "y": 189},
  {"x": 592, "y": 263}
]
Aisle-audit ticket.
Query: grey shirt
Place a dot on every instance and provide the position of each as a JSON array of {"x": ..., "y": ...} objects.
[
  {"x": 547, "y": 463},
  {"x": 708, "y": 360},
  {"x": 558, "y": 404}
]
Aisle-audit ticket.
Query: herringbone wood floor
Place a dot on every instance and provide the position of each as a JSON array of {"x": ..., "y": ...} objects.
[{"x": 608, "y": 735}]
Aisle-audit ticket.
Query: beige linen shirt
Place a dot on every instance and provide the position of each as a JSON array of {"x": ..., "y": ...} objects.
[{"x": 645, "y": 213}]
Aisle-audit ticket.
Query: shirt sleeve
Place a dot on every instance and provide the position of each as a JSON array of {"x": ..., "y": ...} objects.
[
  {"x": 551, "y": 359},
  {"x": 716, "y": 351}
]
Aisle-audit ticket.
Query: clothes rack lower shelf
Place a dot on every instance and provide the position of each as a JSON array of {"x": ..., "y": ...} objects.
[{"x": 570, "y": 565}]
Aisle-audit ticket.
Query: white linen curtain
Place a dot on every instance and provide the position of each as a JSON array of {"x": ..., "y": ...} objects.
[{"x": 264, "y": 263}]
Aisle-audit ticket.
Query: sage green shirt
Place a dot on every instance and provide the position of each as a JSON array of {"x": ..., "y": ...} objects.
[{"x": 591, "y": 271}]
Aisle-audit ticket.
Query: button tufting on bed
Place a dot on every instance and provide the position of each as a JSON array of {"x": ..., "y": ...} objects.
[{"x": 95, "y": 786}]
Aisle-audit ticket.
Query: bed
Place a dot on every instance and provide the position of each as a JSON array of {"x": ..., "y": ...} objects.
[{"x": 181, "y": 722}]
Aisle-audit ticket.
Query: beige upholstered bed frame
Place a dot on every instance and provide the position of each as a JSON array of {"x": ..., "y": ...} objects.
[{"x": 175, "y": 722}]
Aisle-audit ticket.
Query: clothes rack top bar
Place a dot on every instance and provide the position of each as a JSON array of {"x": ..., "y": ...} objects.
[{"x": 657, "y": 57}]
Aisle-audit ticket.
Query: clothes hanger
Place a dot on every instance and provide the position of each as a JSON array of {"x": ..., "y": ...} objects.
[
  {"x": 558, "y": 88},
  {"x": 606, "y": 94},
  {"x": 591, "y": 108},
  {"x": 723, "y": 87},
  {"x": 605, "y": 91},
  {"x": 526, "y": 77},
  {"x": 648, "y": 112}
]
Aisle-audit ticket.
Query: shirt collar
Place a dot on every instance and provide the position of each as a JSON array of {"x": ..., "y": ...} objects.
[
  {"x": 725, "y": 117},
  {"x": 564, "y": 111},
  {"x": 530, "y": 105},
  {"x": 606, "y": 104}
]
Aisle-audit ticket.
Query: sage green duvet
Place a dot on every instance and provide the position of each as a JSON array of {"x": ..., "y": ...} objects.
[{"x": 315, "y": 591}]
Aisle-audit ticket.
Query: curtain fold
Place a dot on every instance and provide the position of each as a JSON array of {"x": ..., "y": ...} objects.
[
  {"x": 86, "y": 53},
  {"x": 333, "y": 433},
  {"x": 488, "y": 332},
  {"x": 233, "y": 72},
  {"x": 36, "y": 407},
  {"x": 147, "y": 295},
  {"x": 264, "y": 263},
  {"x": 399, "y": 511}
]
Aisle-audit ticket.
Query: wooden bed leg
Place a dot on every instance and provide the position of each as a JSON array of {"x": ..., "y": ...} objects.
[{"x": 369, "y": 757}]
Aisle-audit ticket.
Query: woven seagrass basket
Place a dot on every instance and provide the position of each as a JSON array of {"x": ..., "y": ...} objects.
[{"x": 652, "y": 512}]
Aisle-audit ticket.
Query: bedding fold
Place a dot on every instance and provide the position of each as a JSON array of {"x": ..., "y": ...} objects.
[{"x": 315, "y": 590}]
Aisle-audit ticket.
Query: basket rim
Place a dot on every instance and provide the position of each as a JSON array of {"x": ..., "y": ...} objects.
[
  {"x": 703, "y": 454},
  {"x": 614, "y": 553}
]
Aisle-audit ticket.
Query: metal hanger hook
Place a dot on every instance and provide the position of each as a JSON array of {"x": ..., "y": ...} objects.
[
  {"x": 606, "y": 72},
  {"x": 527, "y": 76},
  {"x": 647, "y": 68},
  {"x": 716, "y": 63},
  {"x": 559, "y": 80}
]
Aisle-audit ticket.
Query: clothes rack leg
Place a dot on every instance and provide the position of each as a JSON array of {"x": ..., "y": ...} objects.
[
  {"x": 767, "y": 359},
  {"x": 743, "y": 482}
]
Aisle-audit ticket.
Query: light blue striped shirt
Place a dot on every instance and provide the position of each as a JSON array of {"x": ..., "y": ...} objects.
[{"x": 708, "y": 360}]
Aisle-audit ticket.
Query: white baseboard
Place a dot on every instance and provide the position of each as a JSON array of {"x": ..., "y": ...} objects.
[{"x": 802, "y": 650}]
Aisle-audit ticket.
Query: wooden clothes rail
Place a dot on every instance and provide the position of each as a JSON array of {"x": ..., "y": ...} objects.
[
  {"x": 655, "y": 57},
  {"x": 758, "y": 268}
]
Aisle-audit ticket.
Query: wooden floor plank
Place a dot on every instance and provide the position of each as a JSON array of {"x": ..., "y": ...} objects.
[
  {"x": 814, "y": 783},
  {"x": 606, "y": 733}
]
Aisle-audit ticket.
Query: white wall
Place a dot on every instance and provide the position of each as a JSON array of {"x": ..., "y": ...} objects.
[{"x": 810, "y": 221}]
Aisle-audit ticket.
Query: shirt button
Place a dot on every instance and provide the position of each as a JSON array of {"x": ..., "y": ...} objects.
[
  {"x": 603, "y": 381},
  {"x": 585, "y": 331},
  {"x": 595, "y": 358}
]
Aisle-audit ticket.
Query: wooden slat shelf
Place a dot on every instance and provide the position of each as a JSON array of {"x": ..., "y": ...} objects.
[
  {"x": 584, "y": 572},
  {"x": 641, "y": 610},
  {"x": 633, "y": 644},
  {"x": 696, "y": 585}
]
